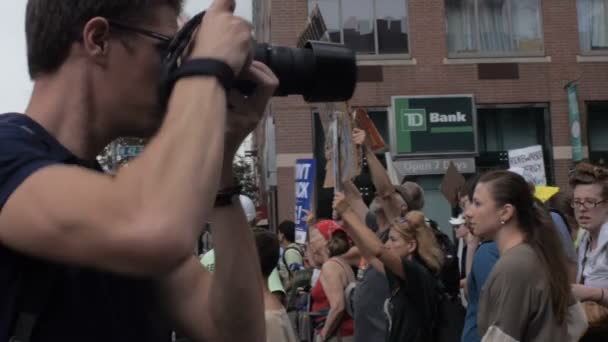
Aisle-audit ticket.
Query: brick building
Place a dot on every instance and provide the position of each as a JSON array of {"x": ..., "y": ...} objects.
[{"x": 513, "y": 56}]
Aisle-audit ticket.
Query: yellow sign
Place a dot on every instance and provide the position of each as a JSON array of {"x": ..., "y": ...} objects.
[{"x": 543, "y": 193}]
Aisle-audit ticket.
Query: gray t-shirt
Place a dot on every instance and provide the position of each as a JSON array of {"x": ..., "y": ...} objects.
[
  {"x": 370, "y": 294},
  {"x": 516, "y": 303}
]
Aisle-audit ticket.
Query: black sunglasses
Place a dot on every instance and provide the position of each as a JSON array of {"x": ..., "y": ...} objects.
[{"x": 165, "y": 41}]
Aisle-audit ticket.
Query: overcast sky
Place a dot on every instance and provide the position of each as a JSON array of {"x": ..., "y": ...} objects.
[{"x": 15, "y": 86}]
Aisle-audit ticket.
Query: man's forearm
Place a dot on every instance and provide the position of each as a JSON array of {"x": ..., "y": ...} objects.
[
  {"x": 355, "y": 200},
  {"x": 366, "y": 241},
  {"x": 380, "y": 177},
  {"x": 236, "y": 295},
  {"x": 227, "y": 305}
]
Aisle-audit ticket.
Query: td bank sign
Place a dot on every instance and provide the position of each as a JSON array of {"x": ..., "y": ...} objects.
[{"x": 433, "y": 125}]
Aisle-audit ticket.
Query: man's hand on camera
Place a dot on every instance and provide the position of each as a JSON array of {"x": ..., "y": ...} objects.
[
  {"x": 224, "y": 37},
  {"x": 246, "y": 112}
]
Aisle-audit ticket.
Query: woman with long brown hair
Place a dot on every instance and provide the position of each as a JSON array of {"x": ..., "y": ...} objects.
[
  {"x": 527, "y": 296},
  {"x": 410, "y": 259}
]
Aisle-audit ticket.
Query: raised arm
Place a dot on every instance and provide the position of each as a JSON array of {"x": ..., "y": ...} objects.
[
  {"x": 380, "y": 177},
  {"x": 355, "y": 200},
  {"x": 144, "y": 220},
  {"x": 370, "y": 246},
  {"x": 392, "y": 203}
]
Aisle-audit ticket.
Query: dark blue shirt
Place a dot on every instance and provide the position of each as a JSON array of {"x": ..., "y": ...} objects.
[
  {"x": 82, "y": 304},
  {"x": 483, "y": 262}
]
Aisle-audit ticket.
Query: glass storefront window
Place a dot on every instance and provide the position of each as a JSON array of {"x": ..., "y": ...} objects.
[
  {"x": 488, "y": 28},
  {"x": 503, "y": 128}
]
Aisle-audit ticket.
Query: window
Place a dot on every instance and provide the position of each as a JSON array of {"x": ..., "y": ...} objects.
[
  {"x": 506, "y": 127},
  {"x": 597, "y": 124},
  {"x": 494, "y": 28},
  {"x": 593, "y": 25},
  {"x": 370, "y": 27}
]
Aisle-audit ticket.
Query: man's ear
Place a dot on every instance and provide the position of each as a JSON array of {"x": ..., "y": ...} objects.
[{"x": 95, "y": 36}]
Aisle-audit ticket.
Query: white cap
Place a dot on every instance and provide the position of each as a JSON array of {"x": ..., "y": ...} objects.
[
  {"x": 457, "y": 221},
  {"x": 248, "y": 208},
  {"x": 262, "y": 223}
]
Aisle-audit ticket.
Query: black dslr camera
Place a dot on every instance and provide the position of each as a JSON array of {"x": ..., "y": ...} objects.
[{"x": 320, "y": 72}]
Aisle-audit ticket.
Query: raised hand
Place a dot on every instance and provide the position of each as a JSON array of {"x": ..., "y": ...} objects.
[
  {"x": 359, "y": 136},
  {"x": 340, "y": 204},
  {"x": 224, "y": 36},
  {"x": 246, "y": 112}
]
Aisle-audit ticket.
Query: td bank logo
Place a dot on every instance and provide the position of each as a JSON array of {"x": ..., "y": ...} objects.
[{"x": 413, "y": 120}]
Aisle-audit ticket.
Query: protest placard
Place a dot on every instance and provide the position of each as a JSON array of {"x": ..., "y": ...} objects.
[
  {"x": 343, "y": 156},
  {"x": 374, "y": 138},
  {"x": 530, "y": 159},
  {"x": 452, "y": 181}
]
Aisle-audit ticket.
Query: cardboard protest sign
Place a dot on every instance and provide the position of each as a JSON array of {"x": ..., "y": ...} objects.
[
  {"x": 305, "y": 184},
  {"x": 343, "y": 156},
  {"x": 375, "y": 140},
  {"x": 452, "y": 181}
]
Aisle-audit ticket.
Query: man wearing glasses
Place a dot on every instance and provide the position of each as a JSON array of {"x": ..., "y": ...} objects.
[
  {"x": 88, "y": 257},
  {"x": 590, "y": 184}
]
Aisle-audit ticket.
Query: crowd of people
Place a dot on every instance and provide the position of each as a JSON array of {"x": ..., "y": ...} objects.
[
  {"x": 86, "y": 256},
  {"x": 527, "y": 269}
]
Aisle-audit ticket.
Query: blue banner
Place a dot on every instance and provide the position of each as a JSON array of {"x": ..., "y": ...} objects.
[{"x": 305, "y": 184}]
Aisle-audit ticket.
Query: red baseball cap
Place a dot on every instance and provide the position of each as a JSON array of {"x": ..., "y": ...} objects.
[{"x": 327, "y": 228}]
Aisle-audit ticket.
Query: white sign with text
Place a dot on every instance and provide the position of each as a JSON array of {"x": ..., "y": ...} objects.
[{"x": 530, "y": 159}]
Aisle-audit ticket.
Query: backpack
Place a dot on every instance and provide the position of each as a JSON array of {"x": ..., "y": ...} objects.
[
  {"x": 449, "y": 316},
  {"x": 450, "y": 272},
  {"x": 562, "y": 216},
  {"x": 284, "y": 260}
]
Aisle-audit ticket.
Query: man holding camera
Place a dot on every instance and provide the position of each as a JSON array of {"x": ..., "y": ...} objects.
[{"x": 88, "y": 257}]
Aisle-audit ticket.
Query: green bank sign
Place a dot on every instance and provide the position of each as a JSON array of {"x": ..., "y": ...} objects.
[{"x": 428, "y": 125}]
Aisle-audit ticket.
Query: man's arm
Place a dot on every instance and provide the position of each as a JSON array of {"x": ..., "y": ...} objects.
[
  {"x": 230, "y": 306},
  {"x": 593, "y": 294},
  {"x": 227, "y": 305},
  {"x": 355, "y": 200},
  {"x": 380, "y": 177},
  {"x": 144, "y": 220}
]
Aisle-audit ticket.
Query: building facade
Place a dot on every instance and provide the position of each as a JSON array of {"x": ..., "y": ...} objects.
[{"x": 515, "y": 57}]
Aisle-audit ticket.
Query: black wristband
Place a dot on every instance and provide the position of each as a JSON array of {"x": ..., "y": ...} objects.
[
  {"x": 224, "y": 196},
  {"x": 206, "y": 67}
]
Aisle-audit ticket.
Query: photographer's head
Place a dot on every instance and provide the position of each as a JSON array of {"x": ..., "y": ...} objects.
[{"x": 107, "y": 52}]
